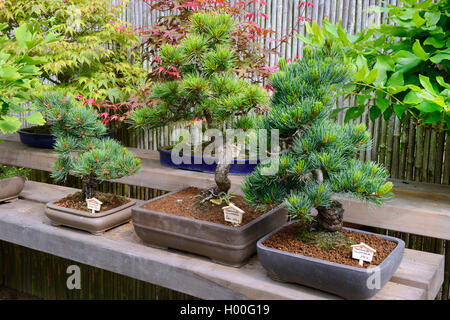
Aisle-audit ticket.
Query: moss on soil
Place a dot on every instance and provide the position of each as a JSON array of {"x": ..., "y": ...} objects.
[{"x": 326, "y": 240}]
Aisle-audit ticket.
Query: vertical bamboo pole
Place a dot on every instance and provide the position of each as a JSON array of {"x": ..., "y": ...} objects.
[
  {"x": 419, "y": 154},
  {"x": 395, "y": 157},
  {"x": 404, "y": 146}
]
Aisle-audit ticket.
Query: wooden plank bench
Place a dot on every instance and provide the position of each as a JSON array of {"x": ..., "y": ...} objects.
[
  {"x": 417, "y": 208},
  {"x": 23, "y": 222}
]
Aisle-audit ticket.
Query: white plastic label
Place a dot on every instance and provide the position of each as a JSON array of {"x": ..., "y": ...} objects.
[
  {"x": 94, "y": 204},
  {"x": 362, "y": 252},
  {"x": 233, "y": 214}
]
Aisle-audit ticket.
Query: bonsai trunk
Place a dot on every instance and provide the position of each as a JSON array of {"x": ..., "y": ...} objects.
[
  {"x": 223, "y": 183},
  {"x": 89, "y": 185},
  {"x": 331, "y": 217}
]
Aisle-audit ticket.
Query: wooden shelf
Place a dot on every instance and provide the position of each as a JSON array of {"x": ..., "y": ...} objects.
[
  {"x": 417, "y": 208},
  {"x": 23, "y": 222}
]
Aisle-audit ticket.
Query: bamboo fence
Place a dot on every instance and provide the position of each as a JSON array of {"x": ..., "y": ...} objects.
[{"x": 408, "y": 152}]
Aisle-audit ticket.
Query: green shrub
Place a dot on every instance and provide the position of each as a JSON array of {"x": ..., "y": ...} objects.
[
  {"x": 19, "y": 71},
  {"x": 404, "y": 65},
  {"x": 9, "y": 172},
  {"x": 81, "y": 152},
  {"x": 92, "y": 59},
  {"x": 203, "y": 85}
]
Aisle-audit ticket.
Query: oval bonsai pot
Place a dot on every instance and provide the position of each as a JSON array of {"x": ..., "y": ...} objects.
[
  {"x": 94, "y": 223},
  {"x": 42, "y": 140},
  {"x": 10, "y": 188},
  {"x": 343, "y": 280},
  {"x": 205, "y": 164},
  {"x": 228, "y": 245}
]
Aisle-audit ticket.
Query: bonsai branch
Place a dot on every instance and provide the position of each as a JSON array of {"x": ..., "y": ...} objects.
[{"x": 318, "y": 176}]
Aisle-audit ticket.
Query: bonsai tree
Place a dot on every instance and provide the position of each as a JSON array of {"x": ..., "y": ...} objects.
[
  {"x": 319, "y": 159},
  {"x": 80, "y": 152},
  {"x": 203, "y": 85}
]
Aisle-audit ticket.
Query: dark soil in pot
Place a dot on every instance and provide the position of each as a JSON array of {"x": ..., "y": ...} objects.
[
  {"x": 72, "y": 211},
  {"x": 76, "y": 201},
  {"x": 289, "y": 239},
  {"x": 186, "y": 203}
]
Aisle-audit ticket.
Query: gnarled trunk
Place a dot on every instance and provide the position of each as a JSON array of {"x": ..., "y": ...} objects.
[
  {"x": 331, "y": 217},
  {"x": 89, "y": 185},
  {"x": 223, "y": 183}
]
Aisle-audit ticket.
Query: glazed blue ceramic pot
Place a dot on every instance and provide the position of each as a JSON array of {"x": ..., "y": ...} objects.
[
  {"x": 204, "y": 164},
  {"x": 43, "y": 140}
]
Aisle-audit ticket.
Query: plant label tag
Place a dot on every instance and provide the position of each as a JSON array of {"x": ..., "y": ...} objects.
[
  {"x": 233, "y": 214},
  {"x": 362, "y": 252},
  {"x": 94, "y": 204}
]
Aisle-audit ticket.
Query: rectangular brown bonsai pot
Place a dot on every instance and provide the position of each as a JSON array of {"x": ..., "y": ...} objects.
[
  {"x": 223, "y": 244},
  {"x": 87, "y": 221}
]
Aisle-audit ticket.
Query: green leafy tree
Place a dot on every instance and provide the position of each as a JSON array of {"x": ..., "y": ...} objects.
[
  {"x": 9, "y": 172},
  {"x": 250, "y": 38},
  {"x": 80, "y": 152},
  {"x": 203, "y": 84},
  {"x": 93, "y": 57},
  {"x": 18, "y": 73},
  {"x": 403, "y": 65},
  {"x": 319, "y": 158}
]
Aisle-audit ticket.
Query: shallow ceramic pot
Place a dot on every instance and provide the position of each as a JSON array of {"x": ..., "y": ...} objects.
[
  {"x": 343, "y": 280},
  {"x": 205, "y": 164},
  {"x": 223, "y": 244},
  {"x": 43, "y": 140},
  {"x": 11, "y": 188},
  {"x": 94, "y": 223}
]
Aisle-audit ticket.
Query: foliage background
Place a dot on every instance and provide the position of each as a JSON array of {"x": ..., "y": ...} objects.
[{"x": 407, "y": 151}]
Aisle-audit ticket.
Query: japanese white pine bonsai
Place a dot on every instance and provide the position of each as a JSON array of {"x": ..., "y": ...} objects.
[
  {"x": 80, "y": 150},
  {"x": 198, "y": 80},
  {"x": 319, "y": 158}
]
